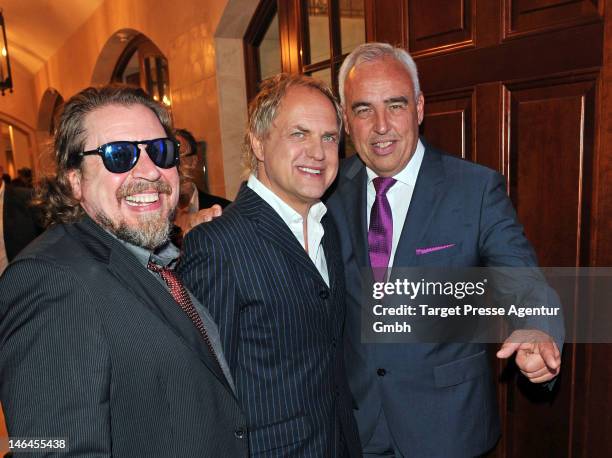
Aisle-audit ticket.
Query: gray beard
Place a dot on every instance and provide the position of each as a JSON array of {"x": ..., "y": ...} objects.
[{"x": 151, "y": 233}]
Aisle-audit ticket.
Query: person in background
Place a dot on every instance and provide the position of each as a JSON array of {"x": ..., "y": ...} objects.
[
  {"x": 193, "y": 196},
  {"x": 5, "y": 176},
  {"x": 19, "y": 224},
  {"x": 191, "y": 162},
  {"x": 24, "y": 178}
]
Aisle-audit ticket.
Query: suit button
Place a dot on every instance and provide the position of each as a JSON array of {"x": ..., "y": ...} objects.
[
  {"x": 240, "y": 433},
  {"x": 381, "y": 372},
  {"x": 323, "y": 294},
  {"x": 334, "y": 342}
]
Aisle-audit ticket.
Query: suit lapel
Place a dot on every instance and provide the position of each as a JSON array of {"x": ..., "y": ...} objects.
[
  {"x": 148, "y": 291},
  {"x": 423, "y": 206},
  {"x": 271, "y": 226},
  {"x": 332, "y": 256}
]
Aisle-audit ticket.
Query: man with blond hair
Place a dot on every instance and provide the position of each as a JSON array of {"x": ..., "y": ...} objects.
[{"x": 270, "y": 271}]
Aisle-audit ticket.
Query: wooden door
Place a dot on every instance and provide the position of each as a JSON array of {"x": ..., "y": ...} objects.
[{"x": 523, "y": 86}]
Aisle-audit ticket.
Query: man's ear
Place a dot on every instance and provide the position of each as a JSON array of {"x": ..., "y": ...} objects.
[
  {"x": 420, "y": 107},
  {"x": 257, "y": 146},
  {"x": 74, "y": 178},
  {"x": 346, "y": 123}
]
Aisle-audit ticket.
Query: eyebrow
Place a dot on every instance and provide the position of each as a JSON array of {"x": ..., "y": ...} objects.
[
  {"x": 307, "y": 131},
  {"x": 401, "y": 99},
  {"x": 360, "y": 104},
  {"x": 389, "y": 101}
]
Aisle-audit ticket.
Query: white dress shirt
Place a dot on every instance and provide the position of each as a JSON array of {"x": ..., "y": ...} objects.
[
  {"x": 399, "y": 195},
  {"x": 296, "y": 224}
]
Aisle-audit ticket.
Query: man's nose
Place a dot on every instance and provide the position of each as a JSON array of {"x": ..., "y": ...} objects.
[
  {"x": 145, "y": 168},
  {"x": 316, "y": 150},
  {"x": 381, "y": 126}
]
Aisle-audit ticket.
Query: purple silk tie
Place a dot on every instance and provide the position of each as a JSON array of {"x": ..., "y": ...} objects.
[{"x": 380, "y": 233}]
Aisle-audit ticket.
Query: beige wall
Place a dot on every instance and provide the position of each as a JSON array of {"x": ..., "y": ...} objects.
[
  {"x": 22, "y": 104},
  {"x": 184, "y": 31},
  {"x": 19, "y": 108}
]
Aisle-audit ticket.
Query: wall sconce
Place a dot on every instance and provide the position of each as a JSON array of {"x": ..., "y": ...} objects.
[{"x": 6, "y": 80}]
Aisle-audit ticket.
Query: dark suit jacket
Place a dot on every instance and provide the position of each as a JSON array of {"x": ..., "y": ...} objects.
[
  {"x": 438, "y": 399},
  {"x": 208, "y": 200},
  {"x": 94, "y": 349},
  {"x": 281, "y": 327},
  {"x": 19, "y": 220}
]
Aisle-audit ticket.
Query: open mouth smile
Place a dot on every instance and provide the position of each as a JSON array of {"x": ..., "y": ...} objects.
[
  {"x": 142, "y": 200},
  {"x": 310, "y": 171}
]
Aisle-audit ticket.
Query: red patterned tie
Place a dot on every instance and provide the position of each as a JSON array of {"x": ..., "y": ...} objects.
[{"x": 181, "y": 296}]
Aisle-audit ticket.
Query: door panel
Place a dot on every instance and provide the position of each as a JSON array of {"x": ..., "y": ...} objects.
[
  {"x": 546, "y": 164},
  {"x": 448, "y": 122},
  {"x": 534, "y": 16},
  {"x": 434, "y": 24}
]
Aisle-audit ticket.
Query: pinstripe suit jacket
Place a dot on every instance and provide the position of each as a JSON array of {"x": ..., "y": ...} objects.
[
  {"x": 281, "y": 327},
  {"x": 94, "y": 349}
]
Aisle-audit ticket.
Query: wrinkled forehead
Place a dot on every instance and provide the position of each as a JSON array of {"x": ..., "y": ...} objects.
[
  {"x": 378, "y": 79},
  {"x": 299, "y": 103},
  {"x": 118, "y": 122}
]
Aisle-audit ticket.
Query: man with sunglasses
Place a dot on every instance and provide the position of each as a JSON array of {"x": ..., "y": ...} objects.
[{"x": 101, "y": 345}]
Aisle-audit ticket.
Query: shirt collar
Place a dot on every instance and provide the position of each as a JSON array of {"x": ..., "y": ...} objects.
[
  {"x": 287, "y": 214},
  {"x": 408, "y": 175},
  {"x": 165, "y": 256}
]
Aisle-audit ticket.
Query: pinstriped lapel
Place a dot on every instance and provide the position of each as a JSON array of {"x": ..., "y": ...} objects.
[
  {"x": 333, "y": 258},
  {"x": 147, "y": 291},
  {"x": 332, "y": 251},
  {"x": 271, "y": 226}
]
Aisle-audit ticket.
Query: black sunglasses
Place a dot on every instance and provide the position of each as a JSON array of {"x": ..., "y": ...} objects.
[{"x": 122, "y": 156}]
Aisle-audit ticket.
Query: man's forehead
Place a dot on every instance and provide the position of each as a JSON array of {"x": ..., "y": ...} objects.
[
  {"x": 301, "y": 102},
  {"x": 118, "y": 122},
  {"x": 381, "y": 80},
  {"x": 303, "y": 97},
  {"x": 387, "y": 68}
]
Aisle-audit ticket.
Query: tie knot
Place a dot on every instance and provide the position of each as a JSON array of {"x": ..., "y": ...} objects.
[
  {"x": 383, "y": 184},
  {"x": 155, "y": 267}
]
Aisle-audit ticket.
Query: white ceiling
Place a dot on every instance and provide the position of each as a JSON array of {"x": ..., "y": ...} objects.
[{"x": 36, "y": 29}]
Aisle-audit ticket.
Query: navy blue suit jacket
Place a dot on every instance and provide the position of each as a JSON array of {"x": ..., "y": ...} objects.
[
  {"x": 438, "y": 399},
  {"x": 280, "y": 325}
]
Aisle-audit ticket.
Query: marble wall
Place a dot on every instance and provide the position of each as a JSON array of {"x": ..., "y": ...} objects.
[{"x": 184, "y": 31}]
